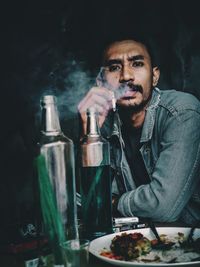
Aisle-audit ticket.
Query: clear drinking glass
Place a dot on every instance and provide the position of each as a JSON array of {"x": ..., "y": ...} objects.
[{"x": 76, "y": 252}]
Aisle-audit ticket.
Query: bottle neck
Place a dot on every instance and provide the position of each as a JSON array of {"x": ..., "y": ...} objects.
[
  {"x": 50, "y": 118},
  {"x": 92, "y": 124}
]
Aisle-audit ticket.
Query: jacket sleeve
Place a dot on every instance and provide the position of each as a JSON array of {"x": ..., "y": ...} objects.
[{"x": 176, "y": 172}]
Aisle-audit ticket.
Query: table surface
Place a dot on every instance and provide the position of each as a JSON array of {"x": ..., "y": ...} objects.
[{"x": 11, "y": 260}]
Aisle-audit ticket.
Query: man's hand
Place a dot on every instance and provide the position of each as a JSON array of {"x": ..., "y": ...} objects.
[{"x": 101, "y": 99}]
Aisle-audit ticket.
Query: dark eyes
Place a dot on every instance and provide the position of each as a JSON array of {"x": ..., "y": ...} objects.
[
  {"x": 113, "y": 68},
  {"x": 138, "y": 64},
  {"x": 118, "y": 67}
]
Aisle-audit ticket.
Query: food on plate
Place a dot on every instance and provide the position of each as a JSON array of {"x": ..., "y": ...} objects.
[
  {"x": 136, "y": 247},
  {"x": 130, "y": 246}
]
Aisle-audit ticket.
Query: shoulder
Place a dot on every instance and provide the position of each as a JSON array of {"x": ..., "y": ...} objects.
[{"x": 176, "y": 101}]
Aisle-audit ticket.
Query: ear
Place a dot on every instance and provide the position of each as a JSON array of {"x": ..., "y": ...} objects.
[{"x": 156, "y": 76}]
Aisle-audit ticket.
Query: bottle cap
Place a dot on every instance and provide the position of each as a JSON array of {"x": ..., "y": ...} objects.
[
  {"x": 48, "y": 99},
  {"x": 92, "y": 110}
]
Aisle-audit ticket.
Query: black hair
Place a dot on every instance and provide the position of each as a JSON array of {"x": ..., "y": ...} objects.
[{"x": 146, "y": 40}]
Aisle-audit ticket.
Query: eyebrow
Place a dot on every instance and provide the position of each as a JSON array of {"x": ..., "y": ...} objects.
[{"x": 110, "y": 62}]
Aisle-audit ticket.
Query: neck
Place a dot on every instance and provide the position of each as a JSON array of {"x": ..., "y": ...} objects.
[
  {"x": 133, "y": 119},
  {"x": 137, "y": 119}
]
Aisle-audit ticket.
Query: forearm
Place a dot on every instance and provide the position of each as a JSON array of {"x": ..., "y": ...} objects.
[
  {"x": 130, "y": 205},
  {"x": 163, "y": 202}
]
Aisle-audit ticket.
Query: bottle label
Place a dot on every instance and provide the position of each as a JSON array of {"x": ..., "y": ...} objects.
[{"x": 92, "y": 156}]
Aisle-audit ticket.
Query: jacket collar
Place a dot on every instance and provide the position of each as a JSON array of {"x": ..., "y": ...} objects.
[{"x": 149, "y": 121}]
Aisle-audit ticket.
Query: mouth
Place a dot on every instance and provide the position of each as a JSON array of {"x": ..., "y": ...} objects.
[
  {"x": 130, "y": 91},
  {"x": 127, "y": 91},
  {"x": 129, "y": 94}
]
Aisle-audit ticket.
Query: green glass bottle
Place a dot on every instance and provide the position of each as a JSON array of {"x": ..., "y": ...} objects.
[{"x": 95, "y": 181}]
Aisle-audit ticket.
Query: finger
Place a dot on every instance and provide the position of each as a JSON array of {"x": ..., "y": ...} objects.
[
  {"x": 97, "y": 96},
  {"x": 97, "y": 102},
  {"x": 101, "y": 91}
]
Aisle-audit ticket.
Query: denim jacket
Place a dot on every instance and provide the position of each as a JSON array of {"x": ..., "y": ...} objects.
[{"x": 170, "y": 149}]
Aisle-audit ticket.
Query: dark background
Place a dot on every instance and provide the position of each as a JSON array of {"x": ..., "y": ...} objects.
[{"x": 55, "y": 46}]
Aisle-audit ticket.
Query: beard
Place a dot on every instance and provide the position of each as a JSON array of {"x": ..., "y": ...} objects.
[{"x": 133, "y": 107}]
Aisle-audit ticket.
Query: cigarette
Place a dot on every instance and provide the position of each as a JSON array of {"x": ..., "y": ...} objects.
[{"x": 113, "y": 102}]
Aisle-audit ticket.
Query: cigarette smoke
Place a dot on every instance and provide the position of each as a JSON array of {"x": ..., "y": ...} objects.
[
  {"x": 69, "y": 82},
  {"x": 119, "y": 91}
]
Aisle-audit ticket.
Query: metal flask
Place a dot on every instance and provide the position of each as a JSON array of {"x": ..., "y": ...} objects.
[
  {"x": 95, "y": 181},
  {"x": 58, "y": 153}
]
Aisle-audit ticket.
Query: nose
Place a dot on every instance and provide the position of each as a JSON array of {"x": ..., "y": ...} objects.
[{"x": 127, "y": 74}]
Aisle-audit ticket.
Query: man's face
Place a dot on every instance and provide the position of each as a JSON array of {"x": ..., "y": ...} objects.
[{"x": 129, "y": 72}]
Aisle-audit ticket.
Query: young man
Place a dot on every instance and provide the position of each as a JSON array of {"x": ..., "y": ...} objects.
[{"x": 154, "y": 136}]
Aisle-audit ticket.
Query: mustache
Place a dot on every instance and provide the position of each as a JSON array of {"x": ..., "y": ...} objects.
[
  {"x": 121, "y": 90},
  {"x": 127, "y": 86}
]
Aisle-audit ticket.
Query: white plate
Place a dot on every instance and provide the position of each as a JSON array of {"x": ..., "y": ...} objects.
[{"x": 99, "y": 244}]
